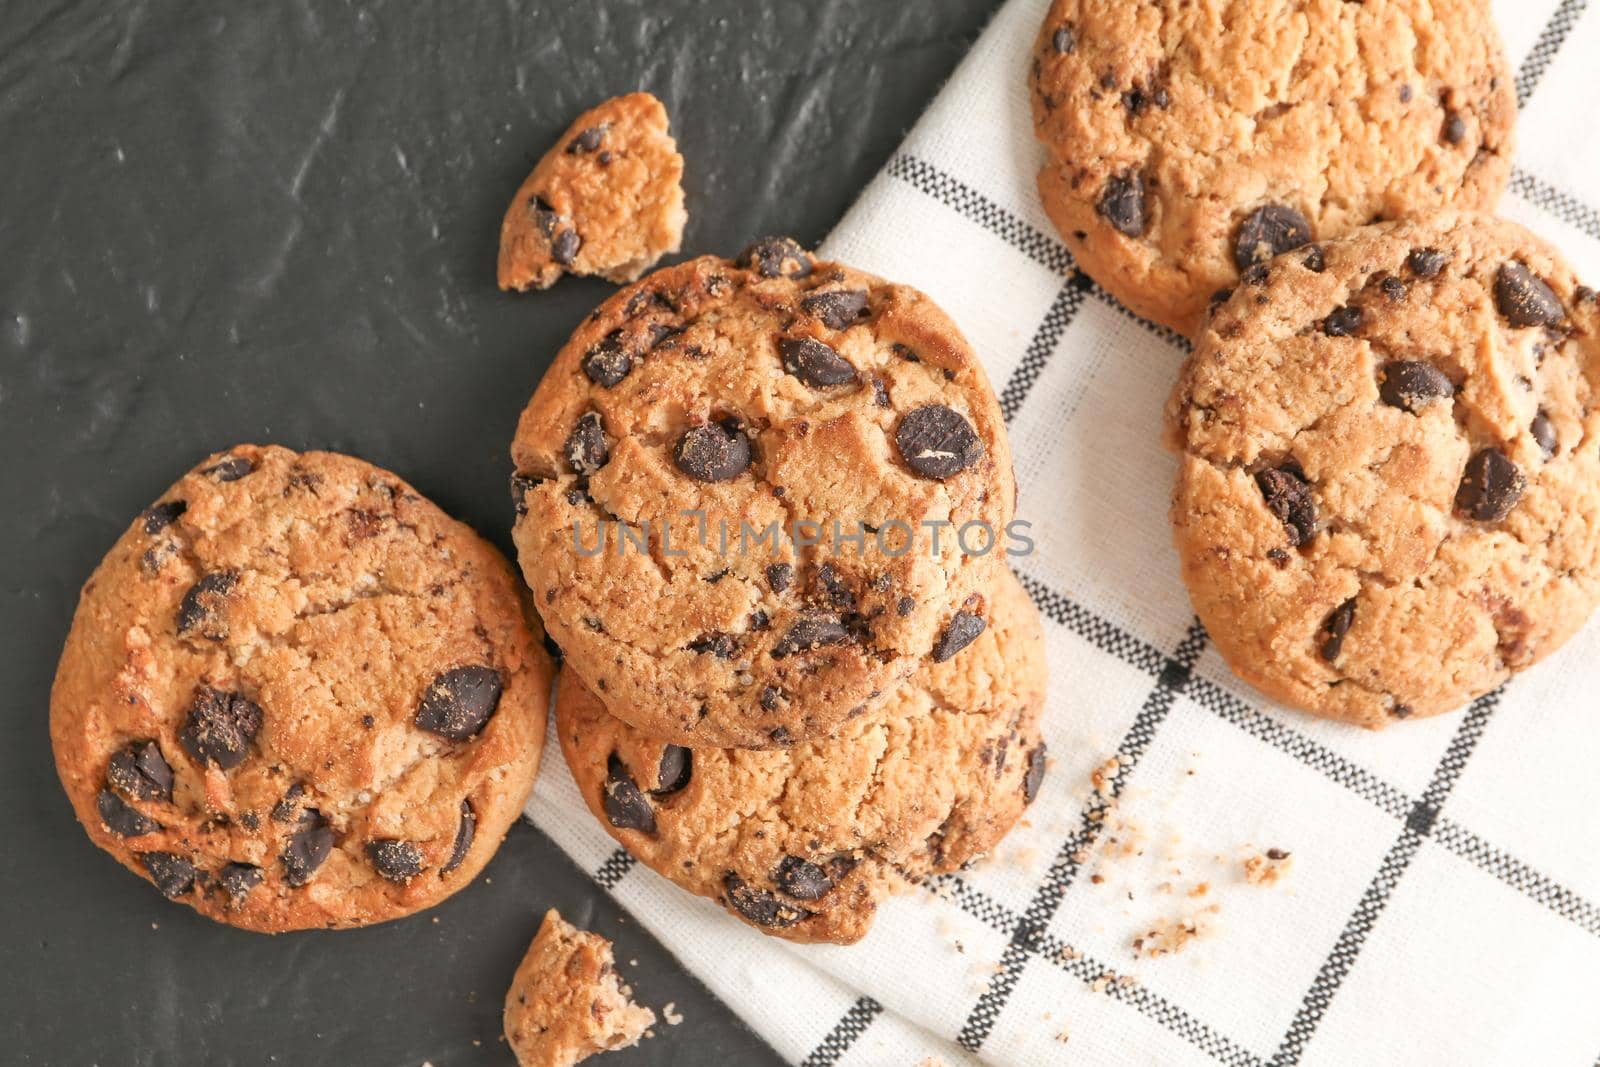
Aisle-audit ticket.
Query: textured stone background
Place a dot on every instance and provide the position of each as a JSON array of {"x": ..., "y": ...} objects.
[{"x": 225, "y": 222}]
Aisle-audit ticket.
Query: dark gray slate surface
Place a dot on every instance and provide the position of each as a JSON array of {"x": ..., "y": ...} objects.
[{"x": 226, "y": 222}]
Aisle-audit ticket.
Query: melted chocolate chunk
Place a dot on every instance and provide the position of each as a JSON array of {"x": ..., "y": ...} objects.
[
  {"x": 202, "y": 605},
  {"x": 1426, "y": 262},
  {"x": 838, "y": 309},
  {"x": 237, "y": 879},
  {"x": 229, "y": 469},
  {"x": 158, "y": 517},
  {"x": 1268, "y": 231},
  {"x": 1315, "y": 260},
  {"x": 964, "y": 629},
  {"x": 677, "y": 764},
  {"x": 1342, "y": 321},
  {"x": 1122, "y": 203},
  {"x": 564, "y": 246},
  {"x": 779, "y": 575},
  {"x": 760, "y": 906},
  {"x": 1455, "y": 129},
  {"x": 121, "y": 819},
  {"x": 717, "y": 452},
  {"x": 1289, "y": 498},
  {"x": 1411, "y": 385},
  {"x": 814, "y": 362},
  {"x": 937, "y": 442},
  {"x": 458, "y": 702},
  {"x": 398, "y": 861},
  {"x": 774, "y": 257},
  {"x": 586, "y": 140},
  {"x": 607, "y": 363},
  {"x": 1544, "y": 434},
  {"x": 171, "y": 873},
  {"x": 1491, "y": 486},
  {"x": 520, "y": 484},
  {"x": 801, "y": 879},
  {"x": 625, "y": 805},
  {"x": 1335, "y": 627},
  {"x": 307, "y": 848},
  {"x": 587, "y": 450},
  {"x": 813, "y": 629},
  {"x": 720, "y": 645},
  {"x": 140, "y": 771},
  {"x": 465, "y": 832},
  {"x": 220, "y": 727},
  {"x": 1524, "y": 298},
  {"x": 1034, "y": 776},
  {"x": 1064, "y": 40}
]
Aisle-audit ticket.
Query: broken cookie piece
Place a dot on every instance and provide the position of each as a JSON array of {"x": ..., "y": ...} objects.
[
  {"x": 606, "y": 200},
  {"x": 567, "y": 1001}
]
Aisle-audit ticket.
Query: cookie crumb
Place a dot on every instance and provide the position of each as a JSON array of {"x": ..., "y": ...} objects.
[
  {"x": 669, "y": 1012},
  {"x": 1268, "y": 867}
]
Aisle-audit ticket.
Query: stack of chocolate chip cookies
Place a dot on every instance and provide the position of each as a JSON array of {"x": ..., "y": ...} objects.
[
  {"x": 762, "y": 507},
  {"x": 1387, "y": 430}
]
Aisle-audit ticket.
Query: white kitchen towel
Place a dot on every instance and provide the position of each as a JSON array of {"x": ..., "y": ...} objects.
[{"x": 1442, "y": 899}]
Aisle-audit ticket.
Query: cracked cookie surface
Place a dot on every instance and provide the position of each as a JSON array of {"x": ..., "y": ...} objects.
[
  {"x": 805, "y": 843},
  {"x": 1188, "y": 141},
  {"x": 297, "y": 694},
  {"x": 1388, "y": 497},
  {"x": 606, "y": 200},
  {"x": 715, "y": 409},
  {"x": 567, "y": 1001}
]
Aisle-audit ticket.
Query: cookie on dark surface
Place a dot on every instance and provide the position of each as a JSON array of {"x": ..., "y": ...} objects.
[
  {"x": 739, "y": 410},
  {"x": 1388, "y": 497},
  {"x": 567, "y": 1001},
  {"x": 805, "y": 843},
  {"x": 1189, "y": 142},
  {"x": 297, "y": 694},
  {"x": 606, "y": 200}
]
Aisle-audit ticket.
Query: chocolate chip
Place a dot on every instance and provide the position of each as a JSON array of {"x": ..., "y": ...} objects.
[
  {"x": 586, "y": 445},
  {"x": 466, "y": 830},
  {"x": 158, "y": 517},
  {"x": 1393, "y": 288},
  {"x": 964, "y": 629},
  {"x": 779, "y": 575},
  {"x": 220, "y": 727},
  {"x": 1426, "y": 262},
  {"x": 760, "y": 906},
  {"x": 838, "y": 592},
  {"x": 607, "y": 363},
  {"x": 717, "y": 452},
  {"x": 1405, "y": 93},
  {"x": 520, "y": 484},
  {"x": 1122, "y": 203},
  {"x": 544, "y": 216},
  {"x": 1218, "y": 298},
  {"x": 775, "y": 257},
  {"x": 1268, "y": 231},
  {"x": 801, "y": 879},
  {"x": 203, "y": 601},
  {"x": 307, "y": 848},
  {"x": 770, "y": 696},
  {"x": 1455, "y": 128},
  {"x": 171, "y": 873},
  {"x": 1342, "y": 321},
  {"x": 720, "y": 645},
  {"x": 1402, "y": 711},
  {"x": 564, "y": 246},
  {"x": 121, "y": 819},
  {"x": 937, "y": 442},
  {"x": 1315, "y": 260},
  {"x": 458, "y": 702},
  {"x": 1544, "y": 434},
  {"x": 1034, "y": 776},
  {"x": 1064, "y": 40},
  {"x": 812, "y": 630},
  {"x": 760, "y": 620},
  {"x": 586, "y": 140},
  {"x": 1289, "y": 498},
  {"x": 139, "y": 770},
  {"x": 285, "y": 808},
  {"x": 1491, "y": 486},
  {"x": 1524, "y": 298},
  {"x": 814, "y": 362},
  {"x": 625, "y": 806},
  {"x": 1411, "y": 385},
  {"x": 230, "y": 469},
  {"x": 1334, "y": 627},
  {"x": 838, "y": 309},
  {"x": 237, "y": 879},
  {"x": 677, "y": 763},
  {"x": 398, "y": 861},
  {"x": 904, "y": 606}
]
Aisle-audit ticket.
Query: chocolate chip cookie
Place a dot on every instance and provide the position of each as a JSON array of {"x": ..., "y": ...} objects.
[
  {"x": 606, "y": 200},
  {"x": 567, "y": 1001},
  {"x": 751, "y": 496},
  {"x": 1189, "y": 142},
  {"x": 296, "y": 694},
  {"x": 1388, "y": 497},
  {"x": 804, "y": 843}
]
